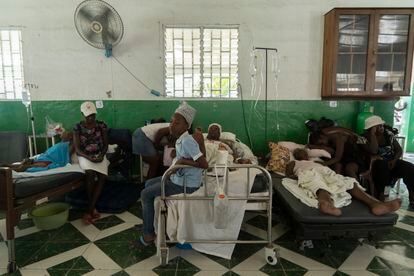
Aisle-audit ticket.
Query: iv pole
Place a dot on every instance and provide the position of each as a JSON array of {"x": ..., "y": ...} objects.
[
  {"x": 266, "y": 51},
  {"x": 26, "y": 100}
]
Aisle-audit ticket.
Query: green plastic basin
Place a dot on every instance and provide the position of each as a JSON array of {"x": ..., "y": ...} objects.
[{"x": 50, "y": 216}]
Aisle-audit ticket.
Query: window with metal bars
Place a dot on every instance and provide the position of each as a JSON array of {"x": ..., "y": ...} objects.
[
  {"x": 201, "y": 62},
  {"x": 11, "y": 65}
]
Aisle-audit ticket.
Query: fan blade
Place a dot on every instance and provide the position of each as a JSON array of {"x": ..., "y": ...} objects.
[
  {"x": 83, "y": 14},
  {"x": 93, "y": 37},
  {"x": 107, "y": 35}
]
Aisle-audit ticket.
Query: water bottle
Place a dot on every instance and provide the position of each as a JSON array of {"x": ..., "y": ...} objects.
[{"x": 221, "y": 205}]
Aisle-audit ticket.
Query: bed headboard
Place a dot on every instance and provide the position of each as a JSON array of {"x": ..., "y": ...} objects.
[{"x": 13, "y": 146}]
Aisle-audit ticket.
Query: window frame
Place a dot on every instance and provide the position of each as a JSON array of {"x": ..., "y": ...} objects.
[
  {"x": 201, "y": 27},
  {"x": 10, "y": 29}
]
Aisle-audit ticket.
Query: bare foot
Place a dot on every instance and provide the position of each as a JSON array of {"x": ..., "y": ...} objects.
[
  {"x": 383, "y": 208},
  {"x": 327, "y": 207},
  {"x": 95, "y": 214}
]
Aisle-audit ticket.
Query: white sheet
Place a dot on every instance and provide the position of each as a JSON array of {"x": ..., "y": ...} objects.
[
  {"x": 192, "y": 220},
  {"x": 311, "y": 180},
  {"x": 66, "y": 169}
]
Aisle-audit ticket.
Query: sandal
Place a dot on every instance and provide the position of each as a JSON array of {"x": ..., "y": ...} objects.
[{"x": 88, "y": 219}]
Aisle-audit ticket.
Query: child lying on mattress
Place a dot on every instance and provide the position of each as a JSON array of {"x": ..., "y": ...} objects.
[
  {"x": 332, "y": 190},
  {"x": 55, "y": 157}
]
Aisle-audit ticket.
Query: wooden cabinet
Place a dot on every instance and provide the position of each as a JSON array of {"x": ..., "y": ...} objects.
[{"x": 368, "y": 53}]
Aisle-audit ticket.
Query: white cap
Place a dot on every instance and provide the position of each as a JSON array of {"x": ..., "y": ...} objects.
[
  {"x": 88, "y": 108},
  {"x": 373, "y": 121},
  {"x": 188, "y": 112},
  {"x": 217, "y": 125}
]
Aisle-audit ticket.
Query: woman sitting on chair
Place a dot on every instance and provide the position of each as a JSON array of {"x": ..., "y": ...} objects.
[
  {"x": 91, "y": 144},
  {"x": 382, "y": 142}
]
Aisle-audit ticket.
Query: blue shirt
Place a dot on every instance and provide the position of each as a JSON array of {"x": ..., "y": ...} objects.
[{"x": 187, "y": 147}]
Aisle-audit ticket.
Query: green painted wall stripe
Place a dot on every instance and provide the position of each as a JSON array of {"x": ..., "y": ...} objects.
[{"x": 132, "y": 114}]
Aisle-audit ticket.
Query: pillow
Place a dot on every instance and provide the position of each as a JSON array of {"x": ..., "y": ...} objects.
[
  {"x": 224, "y": 136},
  {"x": 291, "y": 146},
  {"x": 315, "y": 153},
  {"x": 280, "y": 157},
  {"x": 228, "y": 136}
]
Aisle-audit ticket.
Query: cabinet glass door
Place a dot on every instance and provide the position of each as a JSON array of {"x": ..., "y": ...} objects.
[
  {"x": 391, "y": 54},
  {"x": 352, "y": 52}
]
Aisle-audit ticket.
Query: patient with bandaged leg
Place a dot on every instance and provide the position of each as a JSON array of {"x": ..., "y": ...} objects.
[{"x": 332, "y": 190}]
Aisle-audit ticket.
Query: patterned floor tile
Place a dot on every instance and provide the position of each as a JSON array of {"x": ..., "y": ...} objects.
[
  {"x": 136, "y": 209},
  {"x": 332, "y": 254},
  {"x": 261, "y": 222},
  {"x": 381, "y": 266},
  {"x": 44, "y": 244},
  {"x": 230, "y": 273},
  {"x": 107, "y": 222},
  {"x": 340, "y": 273},
  {"x": 17, "y": 273},
  {"x": 408, "y": 220},
  {"x": 76, "y": 266},
  {"x": 25, "y": 223},
  {"x": 241, "y": 251},
  {"x": 283, "y": 267},
  {"x": 121, "y": 273},
  {"x": 120, "y": 248},
  {"x": 177, "y": 266}
]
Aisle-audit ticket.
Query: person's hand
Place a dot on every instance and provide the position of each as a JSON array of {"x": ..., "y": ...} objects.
[
  {"x": 373, "y": 130},
  {"x": 244, "y": 161},
  {"x": 97, "y": 158},
  {"x": 391, "y": 164}
]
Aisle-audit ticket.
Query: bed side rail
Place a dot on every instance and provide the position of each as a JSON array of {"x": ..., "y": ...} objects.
[
  {"x": 6, "y": 188},
  {"x": 246, "y": 167}
]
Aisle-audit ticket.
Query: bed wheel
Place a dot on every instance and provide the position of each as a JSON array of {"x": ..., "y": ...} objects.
[
  {"x": 11, "y": 267},
  {"x": 271, "y": 255},
  {"x": 164, "y": 256}
]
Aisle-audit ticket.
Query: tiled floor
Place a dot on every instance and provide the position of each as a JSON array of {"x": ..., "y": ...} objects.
[{"x": 106, "y": 248}]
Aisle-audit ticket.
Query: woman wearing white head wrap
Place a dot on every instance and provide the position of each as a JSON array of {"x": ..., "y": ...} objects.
[{"x": 382, "y": 142}]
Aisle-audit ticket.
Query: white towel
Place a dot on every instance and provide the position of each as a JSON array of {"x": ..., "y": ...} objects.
[
  {"x": 188, "y": 220},
  {"x": 101, "y": 167}
]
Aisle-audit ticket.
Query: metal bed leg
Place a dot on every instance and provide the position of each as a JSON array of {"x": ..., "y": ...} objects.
[
  {"x": 164, "y": 250},
  {"x": 11, "y": 266}
]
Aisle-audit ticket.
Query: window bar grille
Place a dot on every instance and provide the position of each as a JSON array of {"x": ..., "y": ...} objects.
[{"x": 201, "y": 62}]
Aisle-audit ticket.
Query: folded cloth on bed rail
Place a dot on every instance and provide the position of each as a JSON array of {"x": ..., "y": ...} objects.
[{"x": 193, "y": 219}]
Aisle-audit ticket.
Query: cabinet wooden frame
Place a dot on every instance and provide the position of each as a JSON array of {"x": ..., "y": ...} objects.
[{"x": 331, "y": 48}]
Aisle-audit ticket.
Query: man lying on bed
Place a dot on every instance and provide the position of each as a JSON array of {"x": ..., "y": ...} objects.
[
  {"x": 330, "y": 189},
  {"x": 238, "y": 152},
  {"x": 54, "y": 157}
]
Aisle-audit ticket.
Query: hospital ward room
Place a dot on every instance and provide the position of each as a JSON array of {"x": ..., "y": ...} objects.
[{"x": 197, "y": 137}]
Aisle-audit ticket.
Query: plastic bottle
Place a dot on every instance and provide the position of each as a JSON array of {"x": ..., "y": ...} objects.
[
  {"x": 362, "y": 116},
  {"x": 221, "y": 204}
]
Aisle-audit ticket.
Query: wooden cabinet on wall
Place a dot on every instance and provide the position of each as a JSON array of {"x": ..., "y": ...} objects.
[{"x": 368, "y": 53}]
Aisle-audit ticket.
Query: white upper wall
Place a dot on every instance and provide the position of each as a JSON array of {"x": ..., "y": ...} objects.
[{"x": 66, "y": 68}]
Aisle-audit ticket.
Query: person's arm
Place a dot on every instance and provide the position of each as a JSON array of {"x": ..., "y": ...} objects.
[
  {"x": 372, "y": 145},
  {"x": 289, "y": 170},
  {"x": 105, "y": 146},
  {"x": 191, "y": 148},
  {"x": 339, "y": 150},
  {"x": 76, "y": 143},
  {"x": 162, "y": 132},
  {"x": 397, "y": 154},
  {"x": 328, "y": 149},
  {"x": 198, "y": 136}
]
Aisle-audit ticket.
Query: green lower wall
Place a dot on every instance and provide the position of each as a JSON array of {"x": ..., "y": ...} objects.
[{"x": 132, "y": 114}]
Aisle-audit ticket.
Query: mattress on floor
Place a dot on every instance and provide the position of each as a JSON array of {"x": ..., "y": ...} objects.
[
  {"x": 355, "y": 213},
  {"x": 24, "y": 187}
]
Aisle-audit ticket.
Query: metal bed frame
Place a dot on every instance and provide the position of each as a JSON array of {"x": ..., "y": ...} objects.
[{"x": 271, "y": 253}]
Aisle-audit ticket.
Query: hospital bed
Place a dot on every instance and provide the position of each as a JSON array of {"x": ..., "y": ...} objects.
[
  {"x": 18, "y": 195},
  {"x": 255, "y": 201},
  {"x": 309, "y": 223}
]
